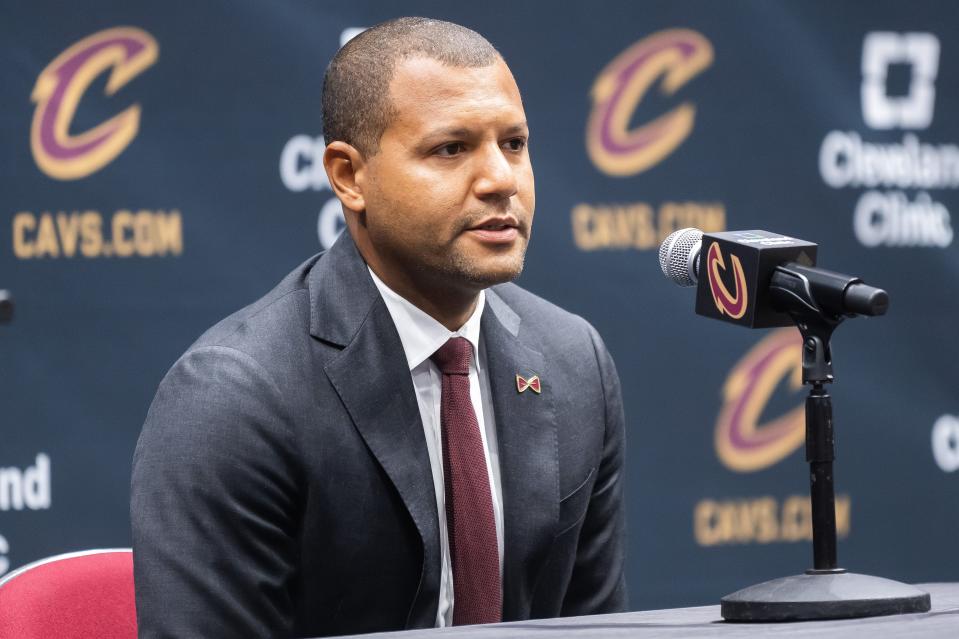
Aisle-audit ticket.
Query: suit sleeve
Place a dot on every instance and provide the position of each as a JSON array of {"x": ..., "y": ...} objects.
[
  {"x": 598, "y": 582},
  {"x": 214, "y": 503}
]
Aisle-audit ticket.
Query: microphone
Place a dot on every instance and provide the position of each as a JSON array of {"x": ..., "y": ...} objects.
[
  {"x": 6, "y": 307},
  {"x": 756, "y": 278}
]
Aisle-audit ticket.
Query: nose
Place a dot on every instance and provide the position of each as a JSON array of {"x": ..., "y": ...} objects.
[{"x": 496, "y": 175}]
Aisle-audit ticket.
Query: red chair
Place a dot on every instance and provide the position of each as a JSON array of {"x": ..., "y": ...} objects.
[{"x": 79, "y": 595}]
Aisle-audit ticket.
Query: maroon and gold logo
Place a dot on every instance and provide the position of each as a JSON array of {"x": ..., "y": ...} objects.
[
  {"x": 125, "y": 52},
  {"x": 676, "y": 56},
  {"x": 732, "y": 304},
  {"x": 742, "y": 442},
  {"x": 533, "y": 383}
]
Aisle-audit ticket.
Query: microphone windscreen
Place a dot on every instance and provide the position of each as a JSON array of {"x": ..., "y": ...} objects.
[{"x": 678, "y": 254}]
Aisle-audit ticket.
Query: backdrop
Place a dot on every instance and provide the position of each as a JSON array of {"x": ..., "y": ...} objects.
[{"x": 161, "y": 168}]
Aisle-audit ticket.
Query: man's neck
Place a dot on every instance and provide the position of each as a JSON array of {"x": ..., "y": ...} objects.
[{"x": 449, "y": 306}]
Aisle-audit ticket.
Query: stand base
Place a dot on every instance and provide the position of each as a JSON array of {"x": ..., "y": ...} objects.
[{"x": 823, "y": 595}]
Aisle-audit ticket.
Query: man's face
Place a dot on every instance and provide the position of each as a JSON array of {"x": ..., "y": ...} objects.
[{"x": 449, "y": 195}]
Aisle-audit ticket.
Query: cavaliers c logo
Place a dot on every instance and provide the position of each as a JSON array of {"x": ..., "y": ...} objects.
[
  {"x": 743, "y": 443},
  {"x": 732, "y": 304},
  {"x": 126, "y": 52},
  {"x": 676, "y": 56}
]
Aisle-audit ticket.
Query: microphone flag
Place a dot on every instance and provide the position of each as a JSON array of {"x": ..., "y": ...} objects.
[{"x": 735, "y": 270}]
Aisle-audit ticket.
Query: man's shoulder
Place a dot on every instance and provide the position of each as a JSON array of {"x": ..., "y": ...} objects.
[
  {"x": 547, "y": 319},
  {"x": 272, "y": 320}
]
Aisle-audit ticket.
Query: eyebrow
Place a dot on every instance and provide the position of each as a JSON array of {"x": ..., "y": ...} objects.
[{"x": 463, "y": 132}]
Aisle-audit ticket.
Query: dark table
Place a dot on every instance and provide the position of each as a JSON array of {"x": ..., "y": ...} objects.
[{"x": 704, "y": 621}]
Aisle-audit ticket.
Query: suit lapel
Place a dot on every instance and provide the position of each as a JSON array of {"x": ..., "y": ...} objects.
[
  {"x": 372, "y": 378},
  {"x": 373, "y": 381},
  {"x": 528, "y": 453}
]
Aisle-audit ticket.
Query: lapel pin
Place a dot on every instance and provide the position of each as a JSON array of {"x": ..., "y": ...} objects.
[{"x": 532, "y": 383}]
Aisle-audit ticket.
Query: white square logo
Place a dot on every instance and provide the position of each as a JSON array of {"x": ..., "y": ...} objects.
[{"x": 881, "y": 49}]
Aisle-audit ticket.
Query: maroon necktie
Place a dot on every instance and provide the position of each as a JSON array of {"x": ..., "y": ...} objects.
[{"x": 474, "y": 554}]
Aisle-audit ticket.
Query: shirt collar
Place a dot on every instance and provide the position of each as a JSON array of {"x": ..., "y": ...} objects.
[{"x": 420, "y": 334}]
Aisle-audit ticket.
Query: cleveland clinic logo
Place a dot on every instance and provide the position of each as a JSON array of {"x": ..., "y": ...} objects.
[
  {"x": 744, "y": 443},
  {"x": 898, "y": 205},
  {"x": 301, "y": 169},
  {"x": 123, "y": 51},
  {"x": 672, "y": 57}
]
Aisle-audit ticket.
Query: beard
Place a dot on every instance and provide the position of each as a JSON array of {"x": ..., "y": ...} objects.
[
  {"x": 476, "y": 266},
  {"x": 447, "y": 256},
  {"x": 486, "y": 273}
]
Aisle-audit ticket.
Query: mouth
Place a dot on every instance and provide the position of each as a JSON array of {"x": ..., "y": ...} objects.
[{"x": 496, "y": 230}]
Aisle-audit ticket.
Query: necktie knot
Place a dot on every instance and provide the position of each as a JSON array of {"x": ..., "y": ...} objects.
[{"x": 453, "y": 357}]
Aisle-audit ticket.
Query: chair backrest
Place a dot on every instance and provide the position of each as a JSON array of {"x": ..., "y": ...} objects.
[{"x": 78, "y": 595}]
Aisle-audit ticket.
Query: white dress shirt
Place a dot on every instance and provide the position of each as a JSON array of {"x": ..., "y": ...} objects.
[{"x": 421, "y": 336}]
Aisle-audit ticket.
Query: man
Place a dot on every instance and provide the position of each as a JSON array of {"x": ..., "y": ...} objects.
[{"x": 393, "y": 437}]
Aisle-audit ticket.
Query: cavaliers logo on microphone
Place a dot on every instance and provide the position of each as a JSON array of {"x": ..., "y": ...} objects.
[
  {"x": 743, "y": 442},
  {"x": 125, "y": 52},
  {"x": 676, "y": 56},
  {"x": 732, "y": 304}
]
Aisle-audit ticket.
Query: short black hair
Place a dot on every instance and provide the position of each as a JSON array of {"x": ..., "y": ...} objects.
[{"x": 356, "y": 87}]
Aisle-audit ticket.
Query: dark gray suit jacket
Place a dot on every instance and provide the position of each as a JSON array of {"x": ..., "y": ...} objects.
[{"x": 281, "y": 485}]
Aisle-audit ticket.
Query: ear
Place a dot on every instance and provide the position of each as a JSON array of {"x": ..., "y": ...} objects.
[{"x": 345, "y": 168}]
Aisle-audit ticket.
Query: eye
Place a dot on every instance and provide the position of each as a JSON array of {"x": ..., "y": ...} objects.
[
  {"x": 450, "y": 149},
  {"x": 515, "y": 144}
]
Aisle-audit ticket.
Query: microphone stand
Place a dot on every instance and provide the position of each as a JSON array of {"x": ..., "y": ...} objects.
[{"x": 825, "y": 591}]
